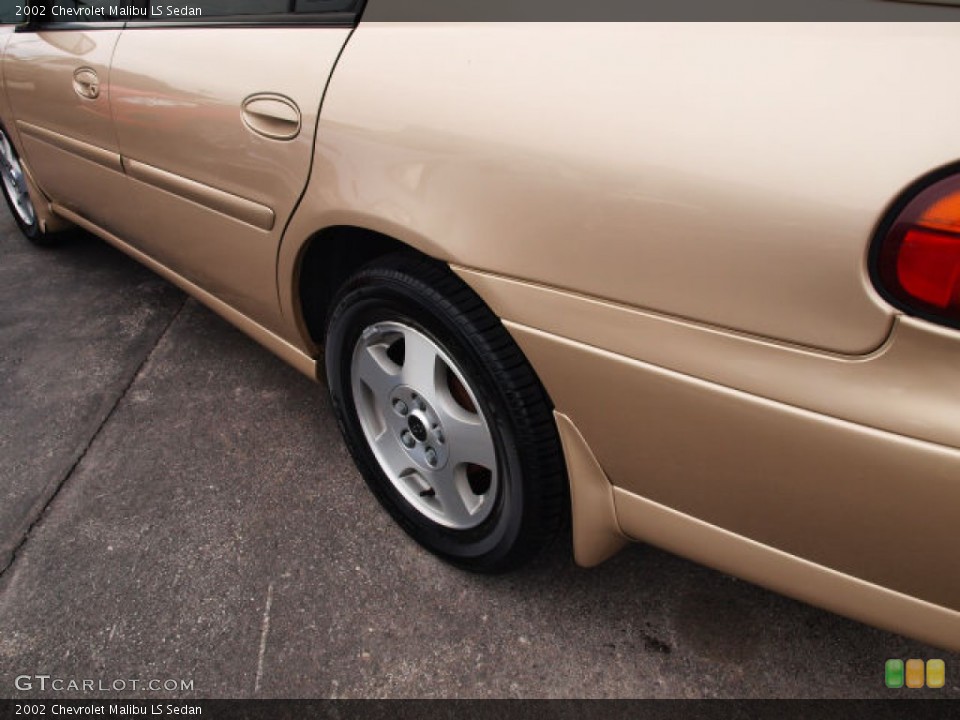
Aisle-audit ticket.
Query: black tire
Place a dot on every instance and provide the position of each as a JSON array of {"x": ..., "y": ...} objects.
[
  {"x": 532, "y": 503},
  {"x": 31, "y": 230}
]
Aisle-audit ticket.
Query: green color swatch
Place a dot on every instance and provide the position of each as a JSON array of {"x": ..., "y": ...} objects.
[{"x": 893, "y": 674}]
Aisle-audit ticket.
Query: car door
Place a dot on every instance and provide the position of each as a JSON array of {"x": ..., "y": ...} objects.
[
  {"x": 215, "y": 117},
  {"x": 57, "y": 78}
]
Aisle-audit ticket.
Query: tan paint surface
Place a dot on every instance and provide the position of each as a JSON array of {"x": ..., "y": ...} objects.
[
  {"x": 663, "y": 167},
  {"x": 884, "y": 389},
  {"x": 38, "y": 77},
  {"x": 871, "y": 504},
  {"x": 179, "y": 111}
]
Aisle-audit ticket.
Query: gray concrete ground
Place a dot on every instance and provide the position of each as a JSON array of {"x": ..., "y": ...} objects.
[{"x": 177, "y": 505}]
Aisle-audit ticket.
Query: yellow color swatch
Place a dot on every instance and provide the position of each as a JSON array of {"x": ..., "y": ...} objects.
[
  {"x": 915, "y": 673},
  {"x": 936, "y": 673}
]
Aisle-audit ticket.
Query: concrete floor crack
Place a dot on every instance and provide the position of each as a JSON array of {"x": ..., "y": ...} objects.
[{"x": 134, "y": 376}]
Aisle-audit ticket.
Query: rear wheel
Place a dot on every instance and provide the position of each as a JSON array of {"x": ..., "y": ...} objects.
[
  {"x": 445, "y": 418},
  {"x": 17, "y": 193}
]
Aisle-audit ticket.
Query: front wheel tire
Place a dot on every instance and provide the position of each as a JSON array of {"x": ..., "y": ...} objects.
[
  {"x": 16, "y": 191},
  {"x": 445, "y": 418}
]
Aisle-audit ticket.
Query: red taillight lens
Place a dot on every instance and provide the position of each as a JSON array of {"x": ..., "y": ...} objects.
[
  {"x": 928, "y": 267},
  {"x": 918, "y": 258}
]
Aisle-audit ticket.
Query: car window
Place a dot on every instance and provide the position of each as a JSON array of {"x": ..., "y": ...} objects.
[
  {"x": 225, "y": 8},
  {"x": 319, "y": 6}
]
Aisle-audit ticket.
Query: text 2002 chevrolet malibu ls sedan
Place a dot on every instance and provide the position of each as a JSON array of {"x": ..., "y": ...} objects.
[{"x": 625, "y": 275}]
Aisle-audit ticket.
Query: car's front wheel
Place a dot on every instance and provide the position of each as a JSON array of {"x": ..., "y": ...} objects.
[
  {"x": 17, "y": 193},
  {"x": 444, "y": 416}
]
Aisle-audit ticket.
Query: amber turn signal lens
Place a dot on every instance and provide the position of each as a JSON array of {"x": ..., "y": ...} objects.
[{"x": 918, "y": 258}]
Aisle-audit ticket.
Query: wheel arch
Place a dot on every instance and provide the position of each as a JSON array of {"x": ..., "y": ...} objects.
[
  {"x": 326, "y": 259},
  {"x": 331, "y": 255}
]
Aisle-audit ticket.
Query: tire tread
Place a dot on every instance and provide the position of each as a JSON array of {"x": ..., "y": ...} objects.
[{"x": 547, "y": 498}]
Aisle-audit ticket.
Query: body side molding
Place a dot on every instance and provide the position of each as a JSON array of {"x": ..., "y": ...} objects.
[
  {"x": 239, "y": 208},
  {"x": 93, "y": 153}
]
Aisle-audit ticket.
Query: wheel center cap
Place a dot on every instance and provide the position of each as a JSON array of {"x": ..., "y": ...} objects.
[{"x": 417, "y": 428}]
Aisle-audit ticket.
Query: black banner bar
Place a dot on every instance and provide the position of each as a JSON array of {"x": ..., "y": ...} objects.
[
  {"x": 660, "y": 10},
  {"x": 59, "y": 13},
  {"x": 483, "y": 709}
]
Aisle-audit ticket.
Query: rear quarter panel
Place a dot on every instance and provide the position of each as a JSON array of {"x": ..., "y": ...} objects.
[{"x": 729, "y": 174}]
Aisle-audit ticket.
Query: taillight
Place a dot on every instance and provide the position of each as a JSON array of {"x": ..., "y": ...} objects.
[{"x": 917, "y": 258}]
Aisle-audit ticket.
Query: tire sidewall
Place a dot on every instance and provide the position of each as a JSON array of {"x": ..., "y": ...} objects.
[
  {"x": 32, "y": 232},
  {"x": 362, "y": 305}
]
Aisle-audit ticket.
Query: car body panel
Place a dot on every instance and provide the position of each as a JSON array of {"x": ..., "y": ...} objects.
[
  {"x": 45, "y": 217},
  {"x": 67, "y": 140},
  {"x": 653, "y": 166},
  {"x": 198, "y": 172},
  {"x": 6, "y": 33},
  {"x": 868, "y": 503},
  {"x": 882, "y": 390}
]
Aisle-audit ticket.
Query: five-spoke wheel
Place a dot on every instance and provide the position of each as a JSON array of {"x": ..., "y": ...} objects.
[
  {"x": 424, "y": 424},
  {"x": 446, "y": 420}
]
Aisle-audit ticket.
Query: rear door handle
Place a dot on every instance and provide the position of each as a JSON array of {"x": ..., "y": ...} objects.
[
  {"x": 273, "y": 116},
  {"x": 86, "y": 83}
]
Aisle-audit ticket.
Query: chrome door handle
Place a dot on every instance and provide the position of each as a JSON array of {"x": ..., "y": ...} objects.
[
  {"x": 86, "y": 83},
  {"x": 273, "y": 116}
]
